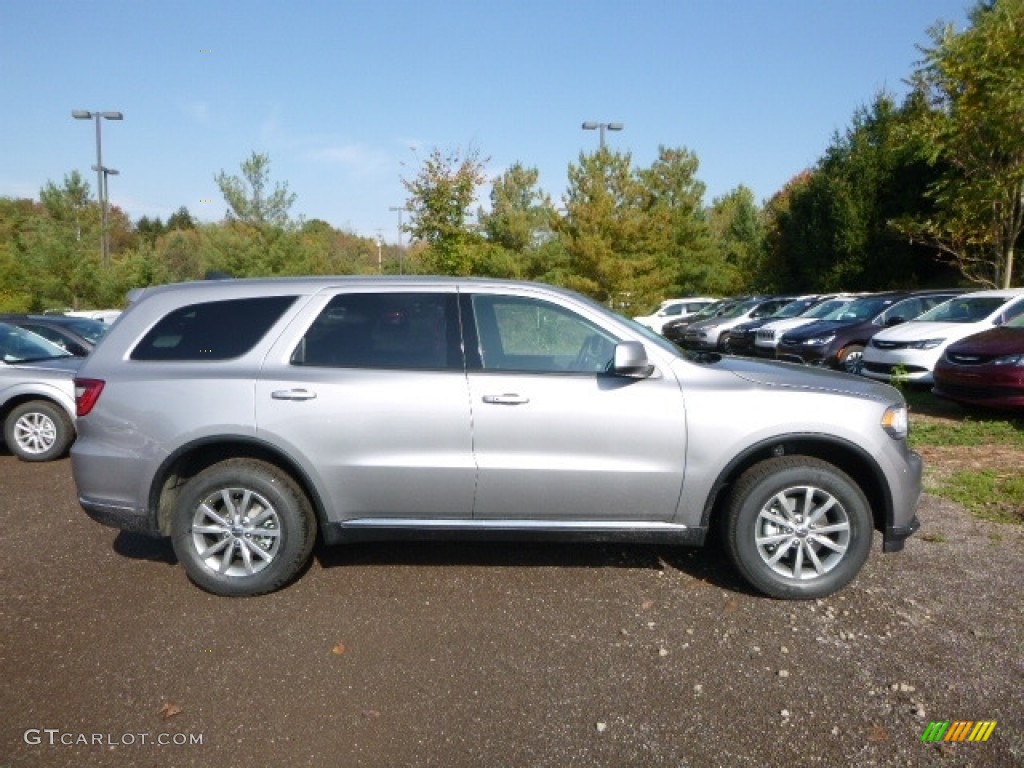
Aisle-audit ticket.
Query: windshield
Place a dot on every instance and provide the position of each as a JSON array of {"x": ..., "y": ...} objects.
[
  {"x": 739, "y": 308},
  {"x": 826, "y": 308},
  {"x": 794, "y": 308},
  {"x": 860, "y": 310},
  {"x": 20, "y": 346},
  {"x": 710, "y": 310},
  {"x": 90, "y": 330},
  {"x": 965, "y": 309}
]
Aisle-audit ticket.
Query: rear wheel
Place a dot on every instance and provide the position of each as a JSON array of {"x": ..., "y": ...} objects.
[
  {"x": 38, "y": 431},
  {"x": 798, "y": 527},
  {"x": 242, "y": 527}
]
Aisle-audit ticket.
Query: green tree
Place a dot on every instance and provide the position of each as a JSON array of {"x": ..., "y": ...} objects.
[
  {"x": 521, "y": 214},
  {"x": 602, "y": 227},
  {"x": 249, "y": 196},
  {"x": 738, "y": 235},
  {"x": 973, "y": 82},
  {"x": 440, "y": 197},
  {"x": 832, "y": 228},
  {"x": 676, "y": 233}
]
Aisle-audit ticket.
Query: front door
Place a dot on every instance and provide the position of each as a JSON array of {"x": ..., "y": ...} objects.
[{"x": 555, "y": 436}]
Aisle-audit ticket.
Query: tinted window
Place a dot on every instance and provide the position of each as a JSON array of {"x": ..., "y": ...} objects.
[
  {"x": 384, "y": 330},
  {"x": 217, "y": 330},
  {"x": 520, "y": 334}
]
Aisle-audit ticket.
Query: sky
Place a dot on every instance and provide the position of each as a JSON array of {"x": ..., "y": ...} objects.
[{"x": 347, "y": 98}]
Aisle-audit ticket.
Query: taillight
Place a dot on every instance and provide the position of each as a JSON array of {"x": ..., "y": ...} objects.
[{"x": 87, "y": 392}]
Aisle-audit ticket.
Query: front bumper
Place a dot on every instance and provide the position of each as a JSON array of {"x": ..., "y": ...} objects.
[{"x": 895, "y": 536}]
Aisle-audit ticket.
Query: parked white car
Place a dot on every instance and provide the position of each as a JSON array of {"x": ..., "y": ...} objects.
[
  {"x": 768, "y": 335},
  {"x": 674, "y": 309},
  {"x": 911, "y": 350}
]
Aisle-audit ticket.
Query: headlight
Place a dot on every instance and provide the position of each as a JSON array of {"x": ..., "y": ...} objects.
[
  {"x": 925, "y": 344},
  {"x": 894, "y": 421},
  {"x": 1009, "y": 360},
  {"x": 820, "y": 341}
]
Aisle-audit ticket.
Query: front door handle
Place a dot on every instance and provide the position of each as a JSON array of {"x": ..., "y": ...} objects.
[
  {"x": 508, "y": 399},
  {"x": 292, "y": 394}
]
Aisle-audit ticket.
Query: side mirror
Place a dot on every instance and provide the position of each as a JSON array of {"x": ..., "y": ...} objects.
[
  {"x": 631, "y": 360},
  {"x": 890, "y": 322}
]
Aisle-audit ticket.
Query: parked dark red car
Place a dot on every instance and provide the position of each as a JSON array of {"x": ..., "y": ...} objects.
[{"x": 985, "y": 369}]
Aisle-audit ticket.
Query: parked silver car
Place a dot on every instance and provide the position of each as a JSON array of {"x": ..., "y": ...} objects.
[
  {"x": 243, "y": 417},
  {"x": 37, "y": 398}
]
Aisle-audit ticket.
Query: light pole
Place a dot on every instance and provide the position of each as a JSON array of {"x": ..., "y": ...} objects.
[
  {"x": 591, "y": 126},
  {"x": 401, "y": 257},
  {"x": 101, "y": 173}
]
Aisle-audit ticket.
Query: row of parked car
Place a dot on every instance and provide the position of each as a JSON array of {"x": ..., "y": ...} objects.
[
  {"x": 38, "y": 357},
  {"x": 969, "y": 346}
]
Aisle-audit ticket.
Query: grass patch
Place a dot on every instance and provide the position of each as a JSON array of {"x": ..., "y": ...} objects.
[
  {"x": 973, "y": 457},
  {"x": 966, "y": 432},
  {"x": 989, "y": 495}
]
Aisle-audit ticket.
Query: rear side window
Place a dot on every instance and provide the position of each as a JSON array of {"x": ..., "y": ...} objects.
[
  {"x": 216, "y": 330},
  {"x": 385, "y": 330}
]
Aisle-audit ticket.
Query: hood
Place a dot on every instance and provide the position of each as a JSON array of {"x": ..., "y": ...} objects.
[
  {"x": 821, "y": 327},
  {"x": 789, "y": 323},
  {"x": 917, "y": 330},
  {"x": 774, "y": 374},
  {"x": 995, "y": 342}
]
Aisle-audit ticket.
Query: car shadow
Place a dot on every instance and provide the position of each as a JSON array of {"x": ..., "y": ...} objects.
[
  {"x": 705, "y": 564},
  {"x": 140, "y": 547}
]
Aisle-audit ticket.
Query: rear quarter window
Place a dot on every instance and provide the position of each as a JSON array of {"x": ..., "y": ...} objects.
[{"x": 215, "y": 330}]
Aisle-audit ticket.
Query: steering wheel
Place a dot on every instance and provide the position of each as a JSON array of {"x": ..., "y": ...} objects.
[{"x": 592, "y": 355}]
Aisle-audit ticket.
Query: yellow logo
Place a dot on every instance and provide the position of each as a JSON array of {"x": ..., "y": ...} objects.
[{"x": 959, "y": 730}]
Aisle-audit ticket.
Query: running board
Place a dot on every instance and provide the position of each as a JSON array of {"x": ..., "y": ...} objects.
[{"x": 389, "y": 528}]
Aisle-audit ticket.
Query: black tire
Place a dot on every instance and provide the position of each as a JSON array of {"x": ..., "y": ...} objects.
[
  {"x": 851, "y": 359},
  {"x": 815, "y": 559},
  {"x": 242, "y": 527},
  {"x": 38, "y": 431}
]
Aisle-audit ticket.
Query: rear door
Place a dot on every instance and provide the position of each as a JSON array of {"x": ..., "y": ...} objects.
[
  {"x": 556, "y": 438},
  {"x": 370, "y": 392}
]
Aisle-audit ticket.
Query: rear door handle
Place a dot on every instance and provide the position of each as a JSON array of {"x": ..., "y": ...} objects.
[
  {"x": 508, "y": 399},
  {"x": 292, "y": 394}
]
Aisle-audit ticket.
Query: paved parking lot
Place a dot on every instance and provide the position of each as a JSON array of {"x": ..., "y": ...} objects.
[{"x": 498, "y": 655}]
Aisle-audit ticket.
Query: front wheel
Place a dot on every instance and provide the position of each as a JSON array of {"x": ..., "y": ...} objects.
[
  {"x": 242, "y": 527},
  {"x": 851, "y": 359},
  {"x": 38, "y": 431},
  {"x": 798, "y": 527}
]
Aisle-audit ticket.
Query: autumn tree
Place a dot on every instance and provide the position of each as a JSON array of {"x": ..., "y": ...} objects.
[
  {"x": 973, "y": 82},
  {"x": 440, "y": 200}
]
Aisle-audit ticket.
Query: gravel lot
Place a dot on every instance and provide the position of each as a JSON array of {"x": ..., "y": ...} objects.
[{"x": 498, "y": 655}]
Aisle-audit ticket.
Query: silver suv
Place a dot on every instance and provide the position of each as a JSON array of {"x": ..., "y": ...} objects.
[{"x": 243, "y": 418}]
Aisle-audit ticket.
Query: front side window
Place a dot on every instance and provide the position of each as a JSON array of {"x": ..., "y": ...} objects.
[
  {"x": 214, "y": 330},
  {"x": 384, "y": 330},
  {"x": 523, "y": 334}
]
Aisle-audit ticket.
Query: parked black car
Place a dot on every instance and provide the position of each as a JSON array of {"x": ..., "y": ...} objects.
[{"x": 77, "y": 335}]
